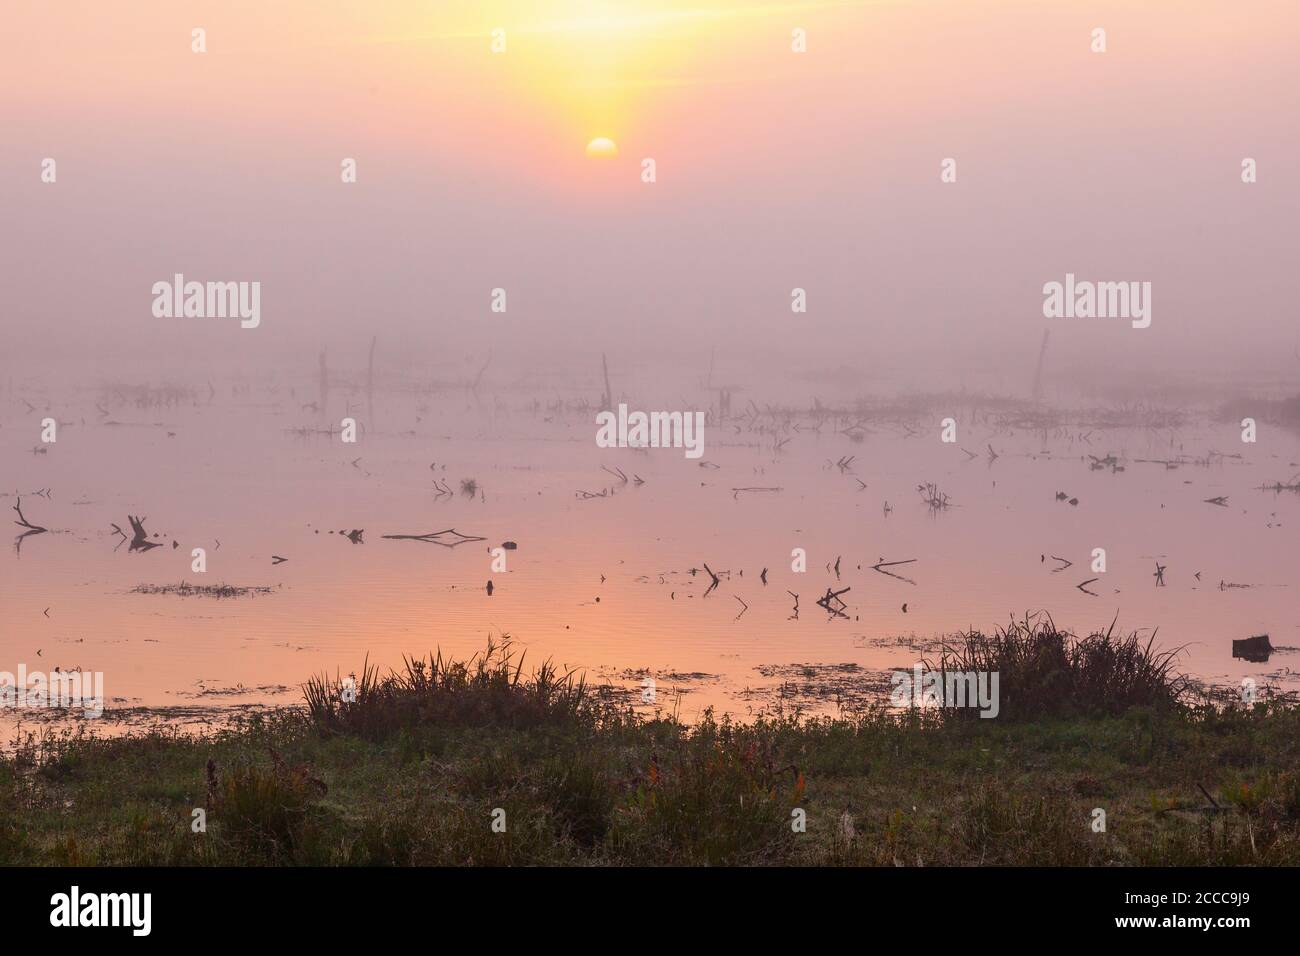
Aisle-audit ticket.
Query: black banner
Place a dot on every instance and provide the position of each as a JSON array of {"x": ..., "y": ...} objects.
[{"x": 360, "y": 905}]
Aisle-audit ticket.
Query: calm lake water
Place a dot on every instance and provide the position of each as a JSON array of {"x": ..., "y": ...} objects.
[{"x": 605, "y": 583}]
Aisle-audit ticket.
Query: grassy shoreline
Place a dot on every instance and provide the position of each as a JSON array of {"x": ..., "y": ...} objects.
[
  {"x": 918, "y": 791},
  {"x": 415, "y": 768}
]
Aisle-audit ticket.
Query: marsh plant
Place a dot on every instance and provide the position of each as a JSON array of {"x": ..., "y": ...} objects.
[
  {"x": 1049, "y": 672},
  {"x": 490, "y": 687}
]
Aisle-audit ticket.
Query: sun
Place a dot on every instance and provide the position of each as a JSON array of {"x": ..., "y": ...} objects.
[{"x": 602, "y": 147}]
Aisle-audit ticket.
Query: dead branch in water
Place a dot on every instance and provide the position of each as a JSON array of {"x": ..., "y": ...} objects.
[
  {"x": 478, "y": 379},
  {"x": 716, "y": 581},
  {"x": 140, "y": 541},
  {"x": 831, "y": 601},
  {"x": 370, "y": 377},
  {"x": 436, "y": 537},
  {"x": 882, "y": 564},
  {"x": 933, "y": 497},
  {"x": 22, "y": 521},
  {"x": 607, "y": 399}
]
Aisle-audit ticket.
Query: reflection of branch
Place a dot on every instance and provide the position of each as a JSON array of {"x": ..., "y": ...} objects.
[
  {"x": 141, "y": 540},
  {"x": 831, "y": 601},
  {"x": 1083, "y": 586},
  {"x": 743, "y": 605},
  {"x": 435, "y": 537},
  {"x": 22, "y": 522},
  {"x": 882, "y": 564},
  {"x": 715, "y": 583},
  {"x": 1277, "y": 486},
  {"x": 933, "y": 497}
]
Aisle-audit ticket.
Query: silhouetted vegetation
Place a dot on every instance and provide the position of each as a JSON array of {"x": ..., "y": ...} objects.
[
  {"x": 415, "y": 770},
  {"x": 1047, "y": 672}
]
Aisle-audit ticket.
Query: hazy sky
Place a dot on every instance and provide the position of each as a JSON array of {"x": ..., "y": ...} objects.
[{"x": 775, "y": 169}]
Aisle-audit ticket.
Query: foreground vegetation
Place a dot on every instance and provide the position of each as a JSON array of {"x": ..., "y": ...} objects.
[{"x": 413, "y": 768}]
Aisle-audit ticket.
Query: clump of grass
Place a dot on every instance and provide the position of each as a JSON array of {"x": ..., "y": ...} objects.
[
  {"x": 582, "y": 795},
  {"x": 14, "y": 847},
  {"x": 720, "y": 798},
  {"x": 469, "y": 487},
  {"x": 265, "y": 810},
  {"x": 489, "y": 688},
  {"x": 1047, "y": 672}
]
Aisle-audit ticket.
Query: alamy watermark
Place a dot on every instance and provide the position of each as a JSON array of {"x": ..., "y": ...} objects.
[
  {"x": 922, "y": 687},
  {"x": 651, "y": 430},
  {"x": 1102, "y": 300},
  {"x": 75, "y": 908},
  {"x": 65, "y": 690},
  {"x": 208, "y": 300}
]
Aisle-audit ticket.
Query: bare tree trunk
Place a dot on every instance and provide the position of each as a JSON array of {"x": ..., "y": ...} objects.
[{"x": 606, "y": 400}]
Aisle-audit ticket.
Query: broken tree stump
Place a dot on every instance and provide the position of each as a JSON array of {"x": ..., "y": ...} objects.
[{"x": 1254, "y": 649}]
